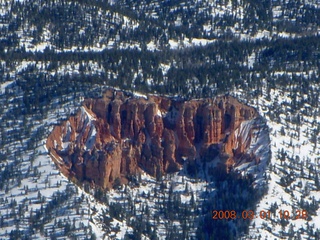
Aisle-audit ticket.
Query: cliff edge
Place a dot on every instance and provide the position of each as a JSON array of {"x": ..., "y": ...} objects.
[{"x": 118, "y": 135}]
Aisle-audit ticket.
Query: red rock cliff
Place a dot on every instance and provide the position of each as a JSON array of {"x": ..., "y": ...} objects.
[{"x": 118, "y": 135}]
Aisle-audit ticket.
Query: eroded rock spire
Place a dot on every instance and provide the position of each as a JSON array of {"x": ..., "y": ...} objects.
[{"x": 119, "y": 135}]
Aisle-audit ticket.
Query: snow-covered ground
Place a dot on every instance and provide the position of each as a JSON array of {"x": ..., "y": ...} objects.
[
  {"x": 32, "y": 198},
  {"x": 41, "y": 181},
  {"x": 294, "y": 139}
]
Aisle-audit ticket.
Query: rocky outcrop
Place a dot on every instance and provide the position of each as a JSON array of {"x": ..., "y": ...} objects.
[{"x": 120, "y": 134}]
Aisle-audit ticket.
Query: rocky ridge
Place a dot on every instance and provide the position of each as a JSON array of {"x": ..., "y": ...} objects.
[{"x": 119, "y": 135}]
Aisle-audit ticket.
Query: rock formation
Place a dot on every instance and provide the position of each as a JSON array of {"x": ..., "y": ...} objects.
[{"x": 118, "y": 135}]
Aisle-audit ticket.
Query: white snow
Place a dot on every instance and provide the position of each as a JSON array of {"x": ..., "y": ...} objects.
[{"x": 3, "y": 86}]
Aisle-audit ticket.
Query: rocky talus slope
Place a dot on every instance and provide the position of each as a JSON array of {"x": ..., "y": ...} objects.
[{"x": 118, "y": 135}]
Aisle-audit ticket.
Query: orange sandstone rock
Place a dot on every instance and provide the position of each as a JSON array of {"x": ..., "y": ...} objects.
[{"x": 119, "y": 135}]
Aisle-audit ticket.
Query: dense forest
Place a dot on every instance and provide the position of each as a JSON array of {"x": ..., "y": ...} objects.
[
  {"x": 54, "y": 53},
  {"x": 66, "y": 30}
]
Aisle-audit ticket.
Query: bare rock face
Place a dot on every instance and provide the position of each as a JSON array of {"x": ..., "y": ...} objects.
[{"x": 119, "y": 135}]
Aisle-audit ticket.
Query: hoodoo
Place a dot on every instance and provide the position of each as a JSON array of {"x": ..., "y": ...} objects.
[{"x": 118, "y": 135}]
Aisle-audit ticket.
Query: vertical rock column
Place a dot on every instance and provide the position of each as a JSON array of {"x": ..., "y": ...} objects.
[
  {"x": 116, "y": 119},
  {"x": 217, "y": 125}
]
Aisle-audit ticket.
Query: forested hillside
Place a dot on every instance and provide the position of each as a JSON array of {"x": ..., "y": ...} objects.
[{"x": 55, "y": 53}]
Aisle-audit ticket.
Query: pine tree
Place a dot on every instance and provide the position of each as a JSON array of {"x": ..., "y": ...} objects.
[{"x": 316, "y": 181}]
